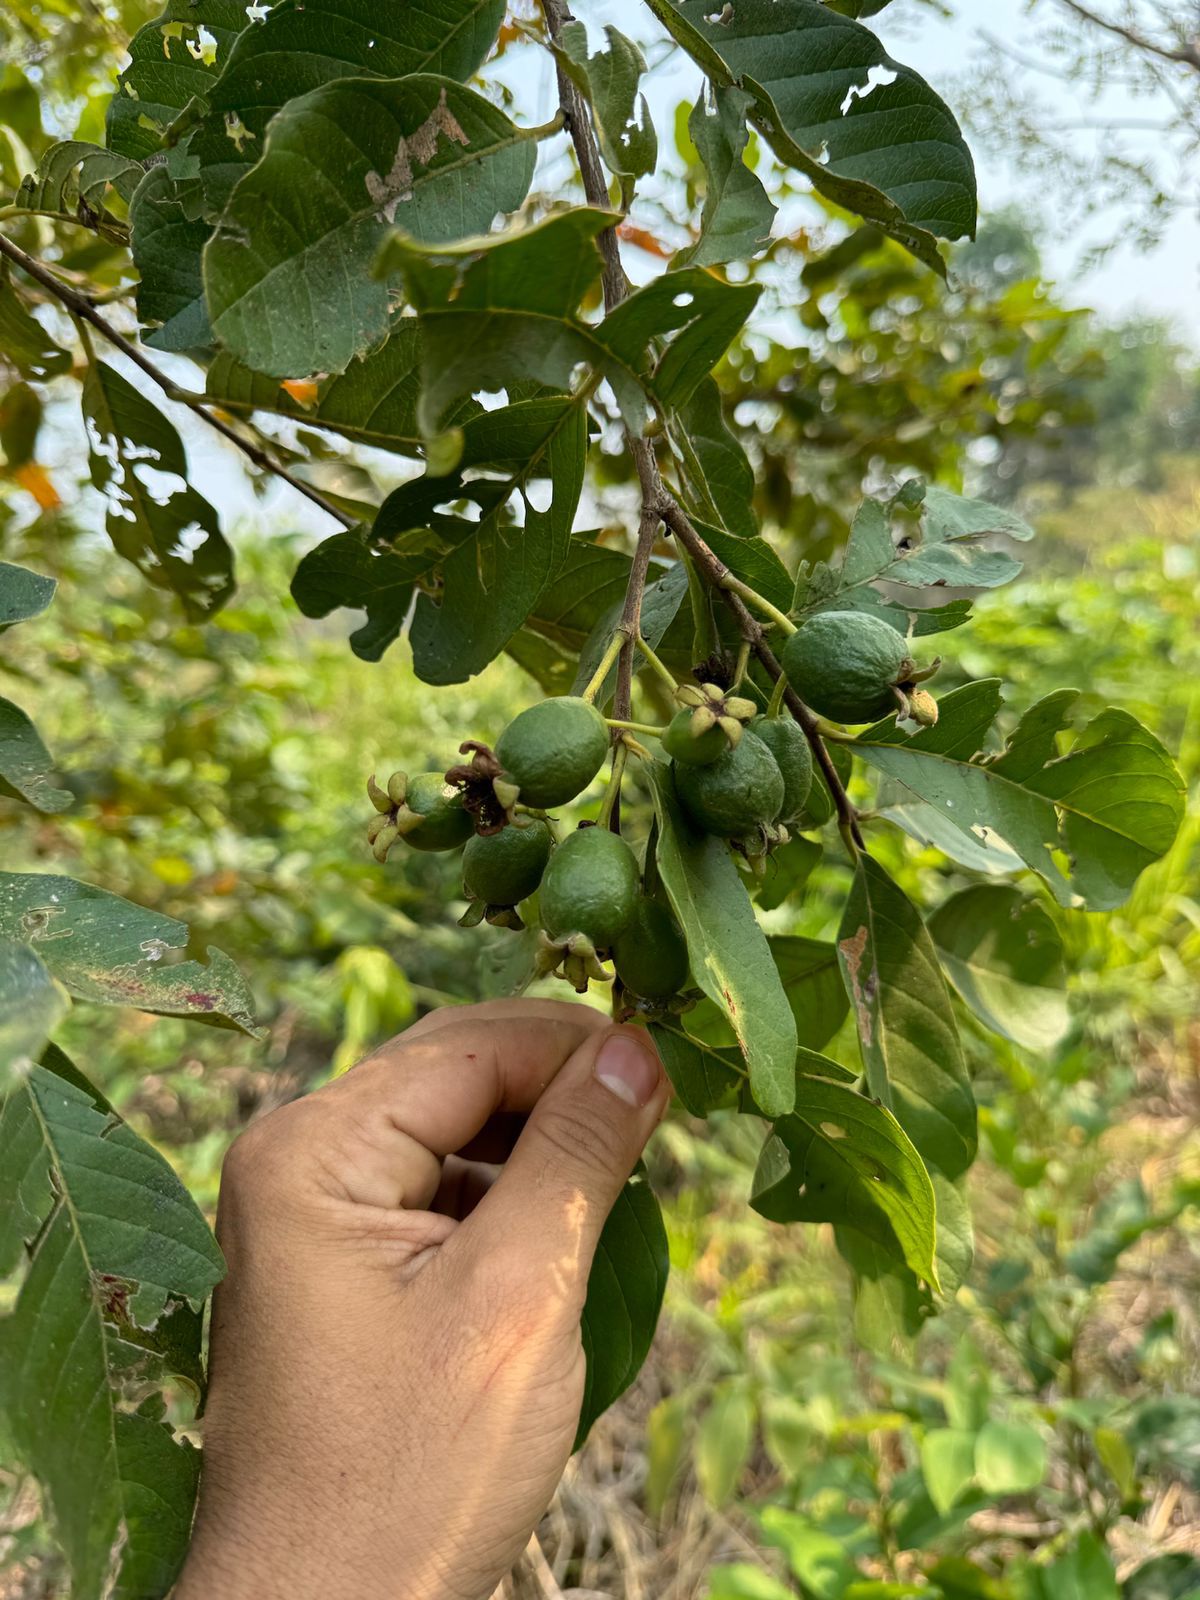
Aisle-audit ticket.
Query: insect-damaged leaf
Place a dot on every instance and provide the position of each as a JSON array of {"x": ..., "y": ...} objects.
[
  {"x": 301, "y": 44},
  {"x": 731, "y": 960},
  {"x": 118, "y": 1265},
  {"x": 511, "y": 311},
  {"x": 77, "y": 181},
  {"x": 867, "y": 132},
  {"x": 173, "y": 59},
  {"x": 172, "y": 538},
  {"x": 624, "y": 1296},
  {"x": 287, "y": 272},
  {"x": 840, "y": 1157},
  {"x": 609, "y": 82},
  {"x": 102, "y": 948}
]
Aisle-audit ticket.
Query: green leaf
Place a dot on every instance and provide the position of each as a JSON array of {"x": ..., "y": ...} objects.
[
  {"x": 1113, "y": 805},
  {"x": 105, "y": 949},
  {"x": 890, "y": 1304},
  {"x": 31, "y": 1006},
  {"x": 735, "y": 224},
  {"x": 905, "y": 1021},
  {"x": 491, "y": 581},
  {"x": 167, "y": 246},
  {"x": 842, "y": 1158},
  {"x": 510, "y": 313},
  {"x": 75, "y": 181},
  {"x": 348, "y": 570},
  {"x": 943, "y": 547},
  {"x": 1003, "y": 954},
  {"x": 704, "y": 1076},
  {"x": 816, "y": 1558},
  {"x": 724, "y": 1440},
  {"x": 729, "y": 952},
  {"x": 287, "y": 271},
  {"x": 741, "y": 1581},
  {"x": 23, "y": 594},
  {"x": 21, "y": 414},
  {"x": 720, "y": 480},
  {"x": 661, "y": 601},
  {"x": 609, "y": 83},
  {"x": 808, "y": 970},
  {"x": 173, "y": 59},
  {"x": 373, "y": 402},
  {"x": 119, "y": 1265},
  {"x": 624, "y": 1296},
  {"x": 1171, "y": 1577},
  {"x": 26, "y": 766},
  {"x": 752, "y": 560},
  {"x": 1010, "y": 1458},
  {"x": 173, "y": 537},
  {"x": 947, "y": 1465},
  {"x": 789, "y": 867},
  {"x": 889, "y": 150},
  {"x": 302, "y": 44},
  {"x": 24, "y": 342}
]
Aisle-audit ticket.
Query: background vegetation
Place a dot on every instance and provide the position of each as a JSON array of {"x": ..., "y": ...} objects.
[{"x": 1041, "y": 1439}]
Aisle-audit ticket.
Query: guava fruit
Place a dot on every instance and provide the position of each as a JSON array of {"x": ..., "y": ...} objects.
[
  {"x": 423, "y": 810},
  {"x": 739, "y": 792},
  {"x": 694, "y": 747},
  {"x": 848, "y": 665},
  {"x": 502, "y": 869},
  {"x": 553, "y": 750},
  {"x": 590, "y": 887},
  {"x": 650, "y": 953},
  {"x": 785, "y": 739},
  {"x": 710, "y": 723}
]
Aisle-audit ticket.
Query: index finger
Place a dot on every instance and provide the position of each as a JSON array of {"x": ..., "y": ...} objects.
[{"x": 380, "y": 1132}]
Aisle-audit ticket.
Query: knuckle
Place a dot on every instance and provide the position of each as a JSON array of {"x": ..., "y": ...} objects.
[{"x": 583, "y": 1146}]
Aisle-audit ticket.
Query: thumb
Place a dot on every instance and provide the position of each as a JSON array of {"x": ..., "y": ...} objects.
[{"x": 580, "y": 1144}]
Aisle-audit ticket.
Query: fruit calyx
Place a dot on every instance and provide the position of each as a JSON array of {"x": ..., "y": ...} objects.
[
  {"x": 488, "y": 794},
  {"x": 712, "y": 721}
]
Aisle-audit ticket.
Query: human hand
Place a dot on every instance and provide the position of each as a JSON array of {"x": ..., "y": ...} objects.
[{"x": 397, "y": 1371}]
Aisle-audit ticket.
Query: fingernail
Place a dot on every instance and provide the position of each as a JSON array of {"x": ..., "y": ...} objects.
[{"x": 628, "y": 1070}]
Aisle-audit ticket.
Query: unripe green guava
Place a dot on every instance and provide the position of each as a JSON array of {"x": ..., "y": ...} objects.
[
  {"x": 443, "y": 824},
  {"x": 739, "y": 792},
  {"x": 553, "y": 750},
  {"x": 785, "y": 739},
  {"x": 504, "y": 868},
  {"x": 847, "y": 664},
  {"x": 681, "y": 741},
  {"x": 650, "y": 954},
  {"x": 590, "y": 887}
]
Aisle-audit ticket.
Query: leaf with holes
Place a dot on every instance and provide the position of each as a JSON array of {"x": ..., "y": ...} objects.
[
  {"x": 173, "y": 60},
  {"x": 118, "y": 1263},
  {"x": 286, "y": 273},
  {"x": 609, "y": 83},
  {"x": 170, "y": 534},
  {"x": 624, "y": 1297},
  {"x": 1003, "y": 954},
  {"x": 868, "y": 133},
  {"x": 840, "y": 1157},
  {"x": 729, "y": 953},
  {"x": 105, "y": 949},
  {"x": 302, "y": 44}
]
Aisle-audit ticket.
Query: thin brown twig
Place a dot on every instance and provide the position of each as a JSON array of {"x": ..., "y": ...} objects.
[
  {"x": 80, "y": 306},
  {"x": 1184, "y": 55}
]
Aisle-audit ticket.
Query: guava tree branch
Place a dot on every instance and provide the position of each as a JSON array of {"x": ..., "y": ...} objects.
[
  {"x": 715, "y": 572},
  {"x": 84, "y": 308},
  {"x": 1187, "y": 55}
]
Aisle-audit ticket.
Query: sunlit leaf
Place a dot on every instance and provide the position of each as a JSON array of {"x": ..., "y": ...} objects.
[{"x": 1003, "y": 954}]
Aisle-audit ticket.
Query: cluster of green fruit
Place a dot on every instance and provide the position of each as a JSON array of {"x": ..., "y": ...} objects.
[{"x": 739, "y": 774}]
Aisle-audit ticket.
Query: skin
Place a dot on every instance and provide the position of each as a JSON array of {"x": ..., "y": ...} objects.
[{"x": 396, "y": 1366}]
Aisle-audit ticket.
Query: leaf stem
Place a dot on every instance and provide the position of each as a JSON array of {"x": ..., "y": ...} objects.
[
  {"x": 81, "y": 307},
  {"x": 635, "y": 727},
  {"x": 610, "y": 809},
  {"x": 595, "y": 682},
  {"x": 759, "y": 601},
  {"x": 774, "y": 705},
  {"x": 663, "y": 671}
]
